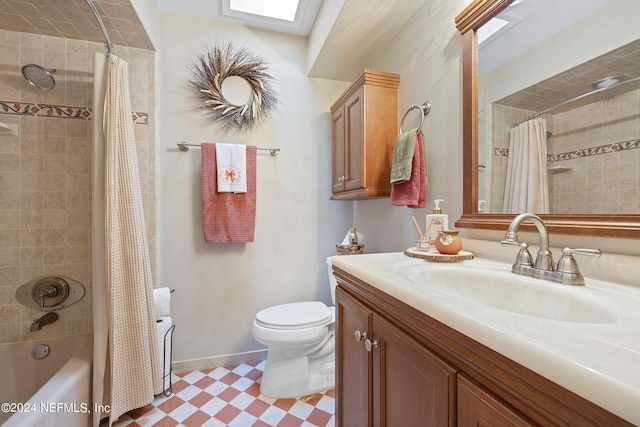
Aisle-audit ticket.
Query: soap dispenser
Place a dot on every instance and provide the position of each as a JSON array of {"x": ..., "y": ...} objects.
[{"x": 436, "y": 222}]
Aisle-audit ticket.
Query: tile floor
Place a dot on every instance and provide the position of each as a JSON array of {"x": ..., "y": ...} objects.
[{"x": 230, "y": 397}]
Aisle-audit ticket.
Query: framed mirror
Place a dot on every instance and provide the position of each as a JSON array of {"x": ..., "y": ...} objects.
[{"x": 598, "y": 223}]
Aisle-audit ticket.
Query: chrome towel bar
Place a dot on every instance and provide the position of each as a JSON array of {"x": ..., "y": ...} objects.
[{"x": 184, "y": 146}]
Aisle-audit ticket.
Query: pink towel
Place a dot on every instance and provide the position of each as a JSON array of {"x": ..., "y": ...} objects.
[
  {"x": 227, "y": 217},
  {"x": 413, "y": 193}
]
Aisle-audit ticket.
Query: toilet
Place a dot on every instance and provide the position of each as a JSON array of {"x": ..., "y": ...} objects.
[{"x": 300, "y": 337}]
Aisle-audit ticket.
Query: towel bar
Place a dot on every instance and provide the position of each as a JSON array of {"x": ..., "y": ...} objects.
[
  {"x": 184, "y": 146},
  {"x": 424, "y": 109}
]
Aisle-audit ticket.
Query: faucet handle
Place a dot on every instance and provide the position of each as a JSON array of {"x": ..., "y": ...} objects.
[
  {"x": 524, "y": 256},
  {"x": 593, "y": 252},
  {"x": 568, "y": 264}
]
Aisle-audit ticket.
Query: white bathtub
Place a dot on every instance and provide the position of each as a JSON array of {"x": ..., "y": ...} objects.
[{"x": 54, "y": 391}]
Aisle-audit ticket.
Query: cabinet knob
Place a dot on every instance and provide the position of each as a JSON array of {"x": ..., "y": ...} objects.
[
  {"x": 370, "y": 345},
  {"x": 360, "y": 336}
]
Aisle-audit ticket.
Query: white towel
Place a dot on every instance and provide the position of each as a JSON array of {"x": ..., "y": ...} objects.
[{"x": 231, "y": 162}]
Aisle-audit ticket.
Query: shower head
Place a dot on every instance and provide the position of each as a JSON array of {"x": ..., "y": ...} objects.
[{"x": 39, "y": 77}]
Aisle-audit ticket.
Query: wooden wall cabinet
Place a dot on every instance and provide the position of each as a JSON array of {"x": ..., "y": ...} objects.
[
  {"x": 397, "y": 366},
  {"x": 364, "y": 129}
]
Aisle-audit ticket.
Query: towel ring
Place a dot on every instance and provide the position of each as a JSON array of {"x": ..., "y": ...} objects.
[{"x": 424, "y": 109}]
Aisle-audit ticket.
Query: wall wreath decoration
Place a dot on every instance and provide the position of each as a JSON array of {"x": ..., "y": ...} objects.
[{"x": 220, "y": 62}]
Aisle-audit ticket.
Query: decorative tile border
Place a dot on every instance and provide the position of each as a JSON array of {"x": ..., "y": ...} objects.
[
  {"x": 583, "y": 152},
  {"x": 602, "y": 149},
  {"x": 44, "y": 110},
  {"x": 59, "y": 111}
]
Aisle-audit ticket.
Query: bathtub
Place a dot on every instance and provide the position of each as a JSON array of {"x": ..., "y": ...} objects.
[{"x": 53, "y": 391}]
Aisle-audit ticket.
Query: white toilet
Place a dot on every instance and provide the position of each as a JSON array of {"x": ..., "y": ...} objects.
[{"x": 301, "y": 341}]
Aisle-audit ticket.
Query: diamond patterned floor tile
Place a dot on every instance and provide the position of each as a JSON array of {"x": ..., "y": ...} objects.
[{"x": 230, "y": 397}]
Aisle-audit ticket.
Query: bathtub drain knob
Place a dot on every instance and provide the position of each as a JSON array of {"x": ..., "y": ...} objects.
[{"x": 40, "y": 351}]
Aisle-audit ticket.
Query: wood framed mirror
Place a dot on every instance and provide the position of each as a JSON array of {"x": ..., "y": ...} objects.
[{"x": 468, "y": 22}]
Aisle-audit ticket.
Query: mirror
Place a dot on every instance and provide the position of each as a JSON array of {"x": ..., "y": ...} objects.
[{"x": 477, "y": 14}]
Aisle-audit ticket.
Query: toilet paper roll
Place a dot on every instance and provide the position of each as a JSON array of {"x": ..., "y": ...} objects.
[
  {"x": 162, "y": 301},
  {"x": 163, "y": 324}
]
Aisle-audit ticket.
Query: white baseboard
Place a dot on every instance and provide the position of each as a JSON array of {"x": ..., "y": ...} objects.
[{"x": 218, "y": 361}]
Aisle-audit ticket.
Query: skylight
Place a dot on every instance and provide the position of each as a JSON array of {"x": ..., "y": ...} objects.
[
  {"x": 278, "y": 9},
  {"x": 490, "y": 28}
]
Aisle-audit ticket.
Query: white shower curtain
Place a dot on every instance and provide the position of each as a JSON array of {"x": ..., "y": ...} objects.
[
  {"x": 127, "y": 371},
  {"x": 526, "y": 187}
]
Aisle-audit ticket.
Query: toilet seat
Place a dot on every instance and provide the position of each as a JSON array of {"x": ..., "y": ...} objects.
[{"x": 296, "y": 315}]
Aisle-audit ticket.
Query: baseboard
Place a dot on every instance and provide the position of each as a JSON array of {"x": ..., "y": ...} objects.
[{"x": 218, "y": 361}]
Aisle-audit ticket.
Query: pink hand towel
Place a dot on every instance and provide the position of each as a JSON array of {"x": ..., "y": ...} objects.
[
  {"x": 413, "y": 193},
  {"x": 227, "y": 217}
]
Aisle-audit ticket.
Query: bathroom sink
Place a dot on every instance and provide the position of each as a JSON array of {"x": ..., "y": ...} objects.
[{"x": 509, "y": 292}]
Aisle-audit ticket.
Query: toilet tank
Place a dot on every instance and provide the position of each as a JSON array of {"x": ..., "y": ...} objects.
[{"x": 332, "y": 280}]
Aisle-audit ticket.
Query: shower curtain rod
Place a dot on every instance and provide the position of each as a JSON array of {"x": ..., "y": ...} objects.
[
  {"x": 577, "y": 98},
  {"x": 110, "y": 48}
]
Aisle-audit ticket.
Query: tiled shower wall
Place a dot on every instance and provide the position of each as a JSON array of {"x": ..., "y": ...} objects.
[
  {"x": 594, "y": 153},
  {"x": 45, "y": 172}
]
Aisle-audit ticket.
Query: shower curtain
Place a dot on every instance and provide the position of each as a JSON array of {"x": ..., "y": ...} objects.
[
  {"x": 526, "y": 188},
  {"x": 127, "y": 371}
]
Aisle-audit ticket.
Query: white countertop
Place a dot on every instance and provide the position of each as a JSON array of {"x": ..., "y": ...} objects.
[{"x": 598, "y": 361}]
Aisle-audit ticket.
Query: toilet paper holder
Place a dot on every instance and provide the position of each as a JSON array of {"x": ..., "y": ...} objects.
[{"x": 167, "y": 359}]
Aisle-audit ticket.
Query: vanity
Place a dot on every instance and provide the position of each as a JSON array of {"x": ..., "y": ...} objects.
[{"x": 470, "y": 343}]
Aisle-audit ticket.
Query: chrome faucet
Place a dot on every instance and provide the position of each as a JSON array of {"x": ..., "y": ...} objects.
[
  {"x": 566, "y": 272},
  {"x": 46, "y": 319}
]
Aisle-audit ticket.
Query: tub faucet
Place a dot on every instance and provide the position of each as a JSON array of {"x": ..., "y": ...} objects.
[
  {"x": 46, "y": 319},
  {"x": 567, "y": 271}
]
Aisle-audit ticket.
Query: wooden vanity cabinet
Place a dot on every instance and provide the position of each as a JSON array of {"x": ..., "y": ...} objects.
[
  {"x": 364, "y": 129},
  {"x": 385, "y": 377},
  {"x": 478, "y": 407},
  {"x": 420, "y": 372}
]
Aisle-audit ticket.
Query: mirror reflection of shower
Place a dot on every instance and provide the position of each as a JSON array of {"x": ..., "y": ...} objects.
[{"x": 39, "y": 77}]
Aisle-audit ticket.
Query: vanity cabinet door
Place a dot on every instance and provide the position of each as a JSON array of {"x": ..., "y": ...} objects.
[
  {"x": 411, "y": 385},
  {"x": 477, "y": 407},
  {"x": 353, "y": 362}
]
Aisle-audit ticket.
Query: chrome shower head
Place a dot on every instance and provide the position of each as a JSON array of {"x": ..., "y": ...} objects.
[{"x": 39, "y": 77}]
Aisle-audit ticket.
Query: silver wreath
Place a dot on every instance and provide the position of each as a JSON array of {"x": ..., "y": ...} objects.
[{"x": 211, "y": 68}]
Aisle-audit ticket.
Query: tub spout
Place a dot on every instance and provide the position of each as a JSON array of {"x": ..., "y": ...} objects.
[{"x": 46, "y": 319}]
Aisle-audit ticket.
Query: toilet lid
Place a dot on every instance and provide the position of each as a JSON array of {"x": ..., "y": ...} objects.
[{"x": 294, "y": 315}]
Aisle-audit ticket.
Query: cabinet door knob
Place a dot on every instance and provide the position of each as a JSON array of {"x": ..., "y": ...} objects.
[
  {"x": 370, "y": 345},
  {"x": 360, "y": 336}
]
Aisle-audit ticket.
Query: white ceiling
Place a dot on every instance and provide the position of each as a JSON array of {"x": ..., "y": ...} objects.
[
  {"x": 357, "y": 27},
  {"x": 536, "y": 21}
]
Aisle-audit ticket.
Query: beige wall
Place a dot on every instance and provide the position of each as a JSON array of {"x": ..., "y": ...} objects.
[
  {"x": 45, "y": 174},
  {"x": 427, "y": 55},
  {"x": 221, "y": 286}
]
